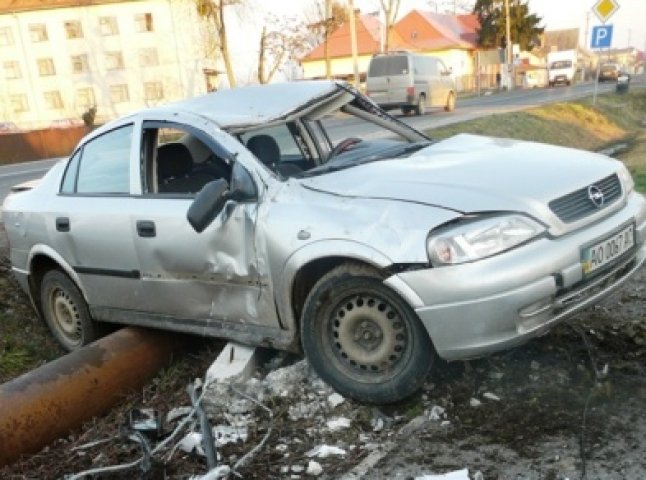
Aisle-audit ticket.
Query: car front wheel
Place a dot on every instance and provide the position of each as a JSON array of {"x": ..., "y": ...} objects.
[
  {"x": 66, "y": 312},
  {"x": 363, "y": 339}
]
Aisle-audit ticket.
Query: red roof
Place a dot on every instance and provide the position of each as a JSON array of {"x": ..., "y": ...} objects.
[
  {"x": 421, "y": 30},
  {"x": 416, "y": 31},
  {"x": 368, "y": 40}
]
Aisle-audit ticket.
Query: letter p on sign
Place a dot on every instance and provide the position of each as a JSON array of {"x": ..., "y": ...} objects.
[{"x": 601, "y": 36}]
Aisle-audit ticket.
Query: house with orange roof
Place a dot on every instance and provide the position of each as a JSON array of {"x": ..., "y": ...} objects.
[
  {"x": 369, "y": 34},
  {"x": 453, "y": 38}
]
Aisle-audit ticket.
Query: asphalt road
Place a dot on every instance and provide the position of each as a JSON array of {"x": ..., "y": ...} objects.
[{"x": 467, "y": 109}]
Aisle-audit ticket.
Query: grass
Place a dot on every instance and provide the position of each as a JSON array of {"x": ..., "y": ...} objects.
[{"x": 615, "y": 119}]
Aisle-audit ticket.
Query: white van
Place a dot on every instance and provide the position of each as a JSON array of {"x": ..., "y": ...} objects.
[{"x": 411, "y": 82}]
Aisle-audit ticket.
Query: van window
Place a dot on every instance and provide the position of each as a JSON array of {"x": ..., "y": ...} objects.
[
  {"x": 388, "y": 65},
  {"x": 434, "y": 67}
]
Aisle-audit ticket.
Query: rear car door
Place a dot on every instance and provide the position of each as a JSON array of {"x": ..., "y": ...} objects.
[
  {"x": 400, "y": 78},
  {"x": 377, "y": 80},
  {"x": 91, "y": 224}
]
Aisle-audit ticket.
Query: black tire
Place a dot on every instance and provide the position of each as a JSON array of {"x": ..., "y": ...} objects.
[
  {"x": 450, "y": 102},
  {"x": 363, "y": 339},
  {"x": 420, "y": 107},
  {"x": 66, "y": 312},
  {"x": 407, "y": 110}
]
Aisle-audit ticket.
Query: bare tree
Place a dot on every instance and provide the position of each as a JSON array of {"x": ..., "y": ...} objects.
[
  {"x": 281, "y": 40},
  {"x": 329, "y": 16},
  {"x": 391, "y": 10},
  {"x": 213, "y": 11},
  {"x": 455, "y": 7}
]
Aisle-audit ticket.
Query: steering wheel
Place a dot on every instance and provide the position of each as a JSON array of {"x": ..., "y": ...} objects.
[{"x": 342, "y": 146}]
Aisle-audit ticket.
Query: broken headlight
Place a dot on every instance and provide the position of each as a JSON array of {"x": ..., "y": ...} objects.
[{"x": 480, "y": 238}]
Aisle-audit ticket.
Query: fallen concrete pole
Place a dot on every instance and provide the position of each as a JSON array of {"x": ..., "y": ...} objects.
[{"x": 48, "y": 402}]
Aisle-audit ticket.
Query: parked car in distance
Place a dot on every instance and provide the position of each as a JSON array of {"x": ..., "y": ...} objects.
[
  {"x": 410, "y": 82},
  {"x": 561, "y": 67},
  {"x": 609, "y": 72},
  {"x": 250, "y": 214}
]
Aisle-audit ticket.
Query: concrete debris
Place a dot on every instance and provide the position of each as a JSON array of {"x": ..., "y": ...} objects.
[
  {"x": 478, "y": 475},
  {"x": 219, "y": 472},
  {"x": 474, "y": 402},
  {"x": 338, "y": 423},
  {"x": 177, "y": 413},
  {"x": 298, "y": 468},
  {"x": 236, "y": 362},
  {"x": 224, "y": 434},
  {"x": 314, "y": 469},
  {"x": 335, "y": 400},
  {"x": 192, "y": 442},
  {"x": 457, "y": 475},
  {"x": 324, "y": 451},
  {"x": 377, "y": 424},
  {"x": 281, "y": 447},
  {"x": 491, "y": 396},
  {"x": 436, "y": 413},
  {"x": 304, "y": 410}
]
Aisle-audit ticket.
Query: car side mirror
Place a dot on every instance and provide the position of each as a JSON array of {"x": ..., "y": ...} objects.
[{"x": 208, "y": 204}]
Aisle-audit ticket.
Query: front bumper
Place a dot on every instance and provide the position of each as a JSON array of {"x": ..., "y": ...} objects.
[{"x": 478, "y": 308}]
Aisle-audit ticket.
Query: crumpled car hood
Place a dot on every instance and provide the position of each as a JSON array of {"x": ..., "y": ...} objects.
[{"x": 471, "y": 173}]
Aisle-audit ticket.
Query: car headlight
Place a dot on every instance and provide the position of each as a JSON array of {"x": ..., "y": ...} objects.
[
  {"x": 627, "y": 182},
  {"x": 481, "y": 238}
]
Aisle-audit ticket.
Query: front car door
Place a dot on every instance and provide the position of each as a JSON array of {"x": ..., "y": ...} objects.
[{"x": 211, "y": 282}]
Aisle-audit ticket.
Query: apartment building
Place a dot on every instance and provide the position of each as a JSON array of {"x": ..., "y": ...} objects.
[{"x": 62, "y": 57}]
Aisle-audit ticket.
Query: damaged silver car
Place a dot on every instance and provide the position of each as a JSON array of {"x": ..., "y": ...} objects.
[{"x": 301, "y": 216}]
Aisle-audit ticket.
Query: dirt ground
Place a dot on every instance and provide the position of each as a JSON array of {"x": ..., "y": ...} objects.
[{"x": 567, "y": 405}]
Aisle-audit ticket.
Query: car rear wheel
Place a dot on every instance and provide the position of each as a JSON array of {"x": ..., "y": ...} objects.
[
  {"x": 420, "y": 108},
  {"x": 450, "y": 102},
  {"x": 363, "y": 339},
  {"x": 66, "y": 312}
]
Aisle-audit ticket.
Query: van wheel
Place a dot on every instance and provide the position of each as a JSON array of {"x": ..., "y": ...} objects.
[
  {"x": 450, "y": 103},
  {"x": 66, "y": 313},
  {"x": 363, "y": 339},
  {"x": 407, "y": 110},
  {"x": 420, "y": 108}
]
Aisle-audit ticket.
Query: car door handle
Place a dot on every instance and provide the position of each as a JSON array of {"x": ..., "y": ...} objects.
[
  {"x": 146, "y": 228},
  {"x": 62, "y": 224}
]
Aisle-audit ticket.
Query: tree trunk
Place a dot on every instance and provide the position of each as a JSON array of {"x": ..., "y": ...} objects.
[
  {"x": 224, "y": 47},
  {"x": 261, "y": 56},
  {"x": 328, "y": 14}
]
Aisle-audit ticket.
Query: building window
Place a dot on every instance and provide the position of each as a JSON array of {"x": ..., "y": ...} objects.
[
  {"x": 19, "y": 103},
  {"x": 108, "y": 26},
  {"x": 80, "y": 63},
  {"x": 53, "y": 100},
  {"x": 73, "y": 29},
  {"x": 114, "y": 61},
  {"x": 85, "y": 97},
  {"x": 11, "y": 70},
  {"x": 46, "y": 67},
  {"x": 6, "y": 38},
  {"x": 153, "y": 91},
  {"x": 119, "y": 93},
  {"x": 38, "y": 32},
  {"x": 144, "y": 22},
  {"x": 148, "y": 57}
]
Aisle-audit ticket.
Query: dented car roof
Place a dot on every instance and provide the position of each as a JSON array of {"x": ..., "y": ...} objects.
[{"x": 256, "y": 104}]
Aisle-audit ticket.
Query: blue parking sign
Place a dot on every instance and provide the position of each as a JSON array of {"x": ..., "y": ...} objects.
[{"x": 601, "y": 36}]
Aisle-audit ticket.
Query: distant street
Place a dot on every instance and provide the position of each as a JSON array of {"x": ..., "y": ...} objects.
[{"x": 467, "y": 109}]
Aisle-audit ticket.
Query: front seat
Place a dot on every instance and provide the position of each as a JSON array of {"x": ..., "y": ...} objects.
[
  {"x": 265, "y": 148},
  {"x": 175, "y": 170}
]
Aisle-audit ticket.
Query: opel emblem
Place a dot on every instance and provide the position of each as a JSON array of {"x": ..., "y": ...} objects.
[{"x": 596, "y": 195}]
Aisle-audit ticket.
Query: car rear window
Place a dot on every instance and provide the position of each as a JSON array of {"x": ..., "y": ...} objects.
[{"x": 390, "y": 65}]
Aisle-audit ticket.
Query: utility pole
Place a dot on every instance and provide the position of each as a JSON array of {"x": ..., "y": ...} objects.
[
  {"x": 508, "y": 56},
  {"x": 353, "y": 40}
]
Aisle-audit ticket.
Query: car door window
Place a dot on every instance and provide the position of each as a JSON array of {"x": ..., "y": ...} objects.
[
  {"x": 104, "y": 164},
  {"x": 177, "y": 161},
  {"x": 69, "y": 180},
  {"x": 281, "y": 148}
]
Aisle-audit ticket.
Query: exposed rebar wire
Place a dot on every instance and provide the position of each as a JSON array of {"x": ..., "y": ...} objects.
[{"x": 247, "y": 456}]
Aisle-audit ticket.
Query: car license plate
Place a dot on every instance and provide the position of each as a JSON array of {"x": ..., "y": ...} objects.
[{"x": 604, "y": 252}]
